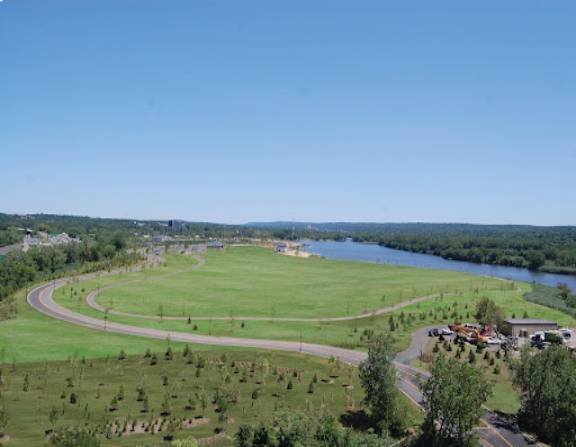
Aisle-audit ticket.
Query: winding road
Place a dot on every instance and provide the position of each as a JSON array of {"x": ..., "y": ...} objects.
[{"x": 497, "y": 432}]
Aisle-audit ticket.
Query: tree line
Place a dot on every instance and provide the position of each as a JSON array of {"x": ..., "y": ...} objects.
[
  {"x": 554, "y": 252},
  {"x": 22, "y": 268}
]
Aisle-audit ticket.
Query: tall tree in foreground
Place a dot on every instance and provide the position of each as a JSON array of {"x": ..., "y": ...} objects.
[
  {"x": 453, "y": 398},
  {"x": 378, "y": 378},
  {"x": 547, "y": 381}
]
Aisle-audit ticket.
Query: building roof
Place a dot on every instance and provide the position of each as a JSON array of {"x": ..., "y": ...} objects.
[{"x": 529, "y": 321}]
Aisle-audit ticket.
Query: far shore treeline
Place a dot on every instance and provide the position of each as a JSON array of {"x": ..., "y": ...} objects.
[{"x": 548, "y": 249}]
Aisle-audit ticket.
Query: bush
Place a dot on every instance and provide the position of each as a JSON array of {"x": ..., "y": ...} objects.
[
  {"x": 190, "y": 442},
  {"x": 74, "y": 438}
]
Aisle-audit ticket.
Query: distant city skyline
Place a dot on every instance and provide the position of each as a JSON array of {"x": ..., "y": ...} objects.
[{"x": 324, "y": 111}]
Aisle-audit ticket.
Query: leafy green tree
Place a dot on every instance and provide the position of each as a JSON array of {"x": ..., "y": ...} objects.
[
  {"x": 536, "y": 259},
  {"x": 453, "y": 397},
  {"x": 244, "y": 437},
  {"x": 378, "y": 378},
  {"x": 564, "y": 290},
  {"x": 547, "y": 381},
  {"x": 292, "y": 429},
  {"x": 489, "y": 313}
]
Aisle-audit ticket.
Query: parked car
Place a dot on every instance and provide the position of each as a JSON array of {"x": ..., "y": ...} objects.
[
  {"x": 433, "y": 332},
  {"x": 493, "y": 341},
  {"x": 446, "y": 331},
  {"x": 566, "y": 333},
  {"x": 538, "y": 336}
]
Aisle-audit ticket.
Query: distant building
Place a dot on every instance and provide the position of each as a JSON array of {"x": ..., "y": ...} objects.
[
  {"x": 161, "y": 238},
  {"x": 176, "y": 225},
  {"x": 282, "y": 247},
  {"x": 216, "y": 244},
  {"x": 44, "y": 240},
  {"x": 524, "y": 327}
]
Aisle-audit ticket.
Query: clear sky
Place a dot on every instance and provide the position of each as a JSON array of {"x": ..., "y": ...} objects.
[{"x": 235, "y": 111}]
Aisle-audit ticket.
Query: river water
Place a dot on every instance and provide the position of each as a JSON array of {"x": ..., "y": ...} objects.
[{"x": 355, "y": 251}]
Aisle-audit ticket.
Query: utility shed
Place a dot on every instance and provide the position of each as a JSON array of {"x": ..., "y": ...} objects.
[{"x": 524, "y": 327}]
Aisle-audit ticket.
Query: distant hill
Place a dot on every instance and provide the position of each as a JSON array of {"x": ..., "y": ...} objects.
[{"x": 411, "y": 228}]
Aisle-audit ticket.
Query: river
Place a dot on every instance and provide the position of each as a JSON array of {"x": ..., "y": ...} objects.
[{"x": 355, "y": 251}]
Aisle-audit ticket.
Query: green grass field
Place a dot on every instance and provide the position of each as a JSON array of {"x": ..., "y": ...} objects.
[
  {"x": 352, "y": 334},
  {"x": 326, "y": 289},
  {"x": 254, "y": 281},
  {"x": 281, "y": 380},
  {"x": 33, "y": 337}
]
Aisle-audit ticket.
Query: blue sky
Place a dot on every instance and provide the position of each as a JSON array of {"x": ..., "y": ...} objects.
[{"x": 228, "y": 111}]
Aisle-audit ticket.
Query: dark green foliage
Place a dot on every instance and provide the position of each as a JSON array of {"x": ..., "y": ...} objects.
[
  {"x": 20, "y": 269},
  {"x": 537, "y": 248},
  {"x": 289, "y": 429},
  {"x": 311, "y": 387},
  {"x": 488, "y": 313},
  {"x": 454, "y": 395},
  {"x": 548, "y": 384},
  {"x": 74, "y": 438},
  {"x": 378, "y": 378}
]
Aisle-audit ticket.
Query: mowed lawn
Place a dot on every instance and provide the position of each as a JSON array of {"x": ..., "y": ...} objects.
[{"x": 254, "y": 281}]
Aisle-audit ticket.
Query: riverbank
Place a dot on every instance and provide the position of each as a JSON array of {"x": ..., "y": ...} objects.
[{"x": 372, "y": 252}]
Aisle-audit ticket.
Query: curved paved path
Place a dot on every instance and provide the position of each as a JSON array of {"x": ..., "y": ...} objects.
[{"x": 497, "y": 433}]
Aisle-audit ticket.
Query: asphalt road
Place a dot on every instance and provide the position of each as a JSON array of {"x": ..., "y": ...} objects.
[{"x": 497, "y": 433}]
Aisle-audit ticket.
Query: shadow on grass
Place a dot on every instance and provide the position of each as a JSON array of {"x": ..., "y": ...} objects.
[{"x": 357, "y": 420}]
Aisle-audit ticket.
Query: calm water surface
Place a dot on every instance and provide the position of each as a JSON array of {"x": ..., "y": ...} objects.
[{"x": 355, "y": 251}]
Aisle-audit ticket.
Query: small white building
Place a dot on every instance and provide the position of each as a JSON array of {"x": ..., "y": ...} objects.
[{"x": 281, "y": 247}]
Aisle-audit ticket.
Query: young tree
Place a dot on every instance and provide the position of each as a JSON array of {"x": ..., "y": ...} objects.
[
  {"x": 26, "y": 385},
  {"x": 166, "y": 408},
  {"x": 453, "y": 397},
  {"x": 378, "y": 378},
  {"x": 565, "y": 291},
  {"x": 53, "y": 416},
  {"x": 3, "y": 421},
  {"x": 244, "y": 437}
]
